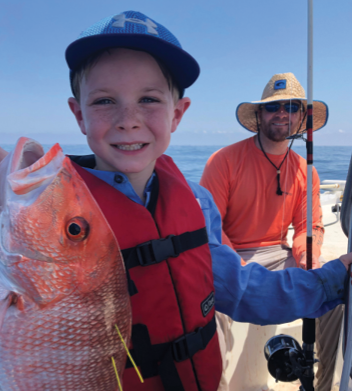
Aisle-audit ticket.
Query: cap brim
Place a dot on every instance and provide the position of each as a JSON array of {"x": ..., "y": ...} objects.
[{"x": 174, "y": 58}]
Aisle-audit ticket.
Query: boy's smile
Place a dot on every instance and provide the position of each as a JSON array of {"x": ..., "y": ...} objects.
[{"x": 127, "y": 112}]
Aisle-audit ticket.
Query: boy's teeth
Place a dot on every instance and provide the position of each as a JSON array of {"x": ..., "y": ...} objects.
[{"x": 131, "y": 147}]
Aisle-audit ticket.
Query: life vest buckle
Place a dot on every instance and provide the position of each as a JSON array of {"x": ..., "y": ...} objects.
[
  {"x": 157, "y": 250},
  {"x": 187, "y": 345}
]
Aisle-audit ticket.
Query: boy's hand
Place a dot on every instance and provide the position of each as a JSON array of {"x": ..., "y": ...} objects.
[
  {"x": 3, "y": 153},
  {"x": 346, "y": 260},
  {"x": 303, "y": 261}
]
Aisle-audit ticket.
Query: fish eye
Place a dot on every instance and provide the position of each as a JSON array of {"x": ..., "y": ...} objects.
[
  {"x": 77, "y": 229},
  {"x": 74, "y": 229}
]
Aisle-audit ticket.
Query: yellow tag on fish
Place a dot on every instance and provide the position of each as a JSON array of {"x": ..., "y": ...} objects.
[
  {"x": 129, "y": 355},
  {"x": 116, "y": 373}
]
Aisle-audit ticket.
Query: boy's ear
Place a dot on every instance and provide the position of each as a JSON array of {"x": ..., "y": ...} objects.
[
  {"x": 180, "y": 108},
  {"x": 77, "y": 112}
]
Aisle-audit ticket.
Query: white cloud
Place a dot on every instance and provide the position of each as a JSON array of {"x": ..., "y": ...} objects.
[{"x": 342, "y": 131}]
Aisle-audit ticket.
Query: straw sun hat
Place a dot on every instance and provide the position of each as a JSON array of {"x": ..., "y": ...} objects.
[{"x": 283, "y": 86}]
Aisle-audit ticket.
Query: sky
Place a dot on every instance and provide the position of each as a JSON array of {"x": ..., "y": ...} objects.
[{"x": 239, "y": 45}]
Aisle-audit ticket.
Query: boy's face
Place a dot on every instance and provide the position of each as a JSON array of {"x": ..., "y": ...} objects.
[{"x": 127, "y": 112}]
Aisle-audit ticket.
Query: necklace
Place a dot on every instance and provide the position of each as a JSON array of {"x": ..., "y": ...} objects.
[{"x": 278, "y": 171}]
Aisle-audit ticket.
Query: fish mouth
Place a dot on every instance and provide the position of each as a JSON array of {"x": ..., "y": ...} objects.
[{"x": 129, "y": 147}]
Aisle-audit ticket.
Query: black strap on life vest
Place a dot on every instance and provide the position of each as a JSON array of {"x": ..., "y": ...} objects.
[
  {"x": 160, "y": 359},
  {"x": 157, "y": 250},
  {"x": 153, "y": 195},
  {"x": 87, "y": 161}
]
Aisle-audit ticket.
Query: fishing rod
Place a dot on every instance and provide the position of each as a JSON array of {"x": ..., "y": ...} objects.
[
  {"x": 308, "y": 332},
  {"x": 287, "y": 361}
]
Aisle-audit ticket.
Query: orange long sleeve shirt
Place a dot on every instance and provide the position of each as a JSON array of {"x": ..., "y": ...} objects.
[{"x": 243, "y": 184}]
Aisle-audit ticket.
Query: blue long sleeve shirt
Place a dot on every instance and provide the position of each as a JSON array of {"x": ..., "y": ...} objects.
[{"x": 252, "y": 293}]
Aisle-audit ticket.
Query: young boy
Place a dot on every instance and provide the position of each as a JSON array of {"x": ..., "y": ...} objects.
[{"x": 128, "y": 75}]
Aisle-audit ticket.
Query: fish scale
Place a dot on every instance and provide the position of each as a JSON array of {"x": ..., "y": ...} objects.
[
  {"x": 59, "y": 339},
  {"x": 62, "y": 343},
  {"x": 67, "y": 293}
]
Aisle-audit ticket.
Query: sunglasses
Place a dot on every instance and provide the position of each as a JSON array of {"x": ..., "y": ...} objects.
[{"x": 275, "y": 106}]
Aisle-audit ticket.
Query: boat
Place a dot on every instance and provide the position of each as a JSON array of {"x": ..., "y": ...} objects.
[{"x": 248, "y": 366}]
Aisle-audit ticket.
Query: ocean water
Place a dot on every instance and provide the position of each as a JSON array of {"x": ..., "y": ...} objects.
[{"x": 331, "y": 162}]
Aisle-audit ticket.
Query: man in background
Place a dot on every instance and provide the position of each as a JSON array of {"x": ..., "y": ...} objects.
[{"x": 259, "y": 186}]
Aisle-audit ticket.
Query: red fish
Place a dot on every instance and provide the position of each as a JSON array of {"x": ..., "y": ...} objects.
[{"x": 62, "y": 279}]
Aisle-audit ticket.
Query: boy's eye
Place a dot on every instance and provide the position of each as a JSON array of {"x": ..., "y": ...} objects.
[
  {"x": 104, "y": 101},
  {"x": 147, "y": 99}
]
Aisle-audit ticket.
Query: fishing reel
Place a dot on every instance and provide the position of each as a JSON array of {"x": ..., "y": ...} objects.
[{"x": 287, "y": 361}]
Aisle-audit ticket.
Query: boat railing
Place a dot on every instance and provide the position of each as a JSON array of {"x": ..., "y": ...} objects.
[{"x": 332, "y": 194}]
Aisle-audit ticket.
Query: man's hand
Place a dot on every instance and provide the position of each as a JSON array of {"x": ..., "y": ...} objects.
[
  {"x": 3, "y": 153},
  {"x": 346, "y": 260},
  {"x": 303, "y": 261}
]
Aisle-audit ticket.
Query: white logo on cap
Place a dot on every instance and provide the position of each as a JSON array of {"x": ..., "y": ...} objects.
[{"x": 121, "y": 20}]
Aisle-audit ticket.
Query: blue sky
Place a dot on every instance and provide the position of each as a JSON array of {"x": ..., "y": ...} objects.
[{"x": 238, "y": 44}]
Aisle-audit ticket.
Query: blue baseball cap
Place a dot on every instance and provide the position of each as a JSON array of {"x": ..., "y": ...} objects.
[{"x": 135, "y": 30}]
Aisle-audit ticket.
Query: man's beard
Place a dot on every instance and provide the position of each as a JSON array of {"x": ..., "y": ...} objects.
[{"x": 276, "y": 135}]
